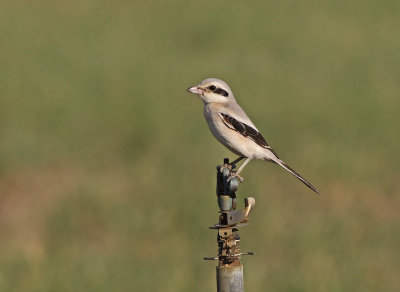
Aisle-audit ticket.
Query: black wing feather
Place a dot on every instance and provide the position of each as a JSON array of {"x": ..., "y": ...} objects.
[{"x": 246, "y": 131}]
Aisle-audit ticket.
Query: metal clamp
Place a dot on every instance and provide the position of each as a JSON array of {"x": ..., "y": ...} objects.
[{"x": 230, "y": 219}]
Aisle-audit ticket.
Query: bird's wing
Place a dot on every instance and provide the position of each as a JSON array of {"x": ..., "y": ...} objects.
[
  {"x": 251, "y": 133},
  {"x": 246, "y": 131}
]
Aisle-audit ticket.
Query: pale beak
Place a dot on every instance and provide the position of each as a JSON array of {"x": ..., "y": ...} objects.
[{"x": 195, "y": 90}]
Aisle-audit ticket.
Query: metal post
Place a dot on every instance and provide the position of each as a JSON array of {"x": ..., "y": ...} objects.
[
  {"x": 230, "y": 278},
  {"x": 230, "y": 269}
]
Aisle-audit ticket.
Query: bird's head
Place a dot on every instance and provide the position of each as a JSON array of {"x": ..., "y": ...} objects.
[{"x": 212, "y": 90}]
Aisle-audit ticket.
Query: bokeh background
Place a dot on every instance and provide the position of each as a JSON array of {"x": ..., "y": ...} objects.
[{"x": 107, "y": 168}]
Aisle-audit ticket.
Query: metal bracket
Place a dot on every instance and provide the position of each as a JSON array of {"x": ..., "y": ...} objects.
[{"x": 230, "y": 219}]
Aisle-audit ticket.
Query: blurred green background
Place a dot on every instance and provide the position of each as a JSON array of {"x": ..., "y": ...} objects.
[{"x": 107, "y": 168}]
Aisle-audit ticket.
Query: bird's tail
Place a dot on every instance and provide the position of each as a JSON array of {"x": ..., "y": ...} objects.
[{"x": 302, "y": 179}]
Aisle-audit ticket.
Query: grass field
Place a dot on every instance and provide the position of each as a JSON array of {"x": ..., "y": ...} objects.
[{"x": 107, "y": 168}]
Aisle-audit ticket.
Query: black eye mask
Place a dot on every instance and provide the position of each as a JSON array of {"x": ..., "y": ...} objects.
[{"x": 221, "y": 91}]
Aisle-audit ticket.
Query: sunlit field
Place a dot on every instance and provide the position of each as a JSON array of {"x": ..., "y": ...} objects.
[{"x": 107, "y": 167}]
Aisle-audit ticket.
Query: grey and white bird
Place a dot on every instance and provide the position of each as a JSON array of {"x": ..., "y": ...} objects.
[{"x": 233, "y": 128}]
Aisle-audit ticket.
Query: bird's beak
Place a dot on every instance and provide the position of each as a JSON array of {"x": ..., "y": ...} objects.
[{"x": 195, "y": 90}]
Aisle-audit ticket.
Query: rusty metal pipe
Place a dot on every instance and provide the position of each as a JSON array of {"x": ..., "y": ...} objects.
[
  {"x": 230, "y": 270},
  {"x": 230, "y": 278}
]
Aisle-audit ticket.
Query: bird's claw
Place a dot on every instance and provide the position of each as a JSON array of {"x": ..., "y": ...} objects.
[
  {"x": 241, "y": 179},
  {"x": 232, "y": 165}
]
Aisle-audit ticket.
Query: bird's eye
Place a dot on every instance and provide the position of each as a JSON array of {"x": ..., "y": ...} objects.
[{"x": 212, "y": 87}]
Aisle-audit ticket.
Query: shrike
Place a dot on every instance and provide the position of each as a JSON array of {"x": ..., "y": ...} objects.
[{"x": 233, "y": 128}]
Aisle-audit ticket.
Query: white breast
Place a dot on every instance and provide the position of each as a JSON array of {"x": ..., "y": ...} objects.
[{"x": 231, "y": 139}]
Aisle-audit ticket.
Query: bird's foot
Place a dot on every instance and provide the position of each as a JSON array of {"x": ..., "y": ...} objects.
[
  {"x": 232, "y": 166},
  {"x": 233, "y": 175}
]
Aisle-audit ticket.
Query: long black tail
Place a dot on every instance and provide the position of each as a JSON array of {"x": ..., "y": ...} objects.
[{"x": 302, "y": 179}]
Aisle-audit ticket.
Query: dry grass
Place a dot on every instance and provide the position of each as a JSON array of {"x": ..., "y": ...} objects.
[{"x": 107, "y": 168}]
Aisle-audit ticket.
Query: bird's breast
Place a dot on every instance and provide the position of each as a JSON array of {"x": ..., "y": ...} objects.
[{"x": 231, "y": 139}]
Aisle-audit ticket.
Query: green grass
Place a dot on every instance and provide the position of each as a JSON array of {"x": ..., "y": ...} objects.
[{"x": 107, "y": 166}]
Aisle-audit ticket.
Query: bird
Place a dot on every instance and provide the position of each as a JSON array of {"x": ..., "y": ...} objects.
[{"x": 231, "y": 126}]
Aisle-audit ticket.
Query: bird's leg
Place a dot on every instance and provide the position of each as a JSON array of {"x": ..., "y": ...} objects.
[
  {"x": 244, "y": 164},
  {"x": 236, "y": 174},
  {"x": 237, "y": 160}
]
